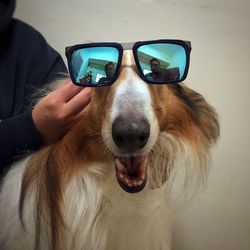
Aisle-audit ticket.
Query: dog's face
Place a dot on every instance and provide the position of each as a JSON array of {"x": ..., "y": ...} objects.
[
  {"x": 130, "y": 127},
  {"x": 140, "y": 124}
]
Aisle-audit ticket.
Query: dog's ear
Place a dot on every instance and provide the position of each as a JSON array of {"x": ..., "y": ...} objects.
[
  {"x": 189, "y": 127},
  {"x": 46, "y": 173},
  {"x": 201, "y": 116}
]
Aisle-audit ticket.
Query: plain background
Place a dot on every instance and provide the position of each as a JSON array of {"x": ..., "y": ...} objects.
[{"x": 219, "y": 218}]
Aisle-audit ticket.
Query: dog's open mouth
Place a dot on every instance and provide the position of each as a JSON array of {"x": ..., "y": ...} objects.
[{"x": 131, "y": 173}]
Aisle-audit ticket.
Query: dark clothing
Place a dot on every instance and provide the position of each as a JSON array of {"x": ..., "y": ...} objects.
[
  {"x": 104, "y": 80},
  {"x": 27, "y": 63},
  {"x": 164, "y": 75}
]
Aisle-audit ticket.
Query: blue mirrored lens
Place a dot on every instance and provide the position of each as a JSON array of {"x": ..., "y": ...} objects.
[
  {"x": 162, "y": 62},
  {"x": 94, "y": 66}
]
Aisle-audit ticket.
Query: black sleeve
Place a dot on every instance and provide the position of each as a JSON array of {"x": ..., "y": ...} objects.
[
  {"x": 37, "y": 64},
  {"x": 17, "y": 134},
  {"x": 40, "y": 62}
]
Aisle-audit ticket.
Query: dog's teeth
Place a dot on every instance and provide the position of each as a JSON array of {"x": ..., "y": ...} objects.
[
  {"x": 135, "y": 183},
  {"x": 143, "y": 174},
  {"x": 119, "y": 165},
  {"x": 121, "y": 176},
  {"x": 126, "y": 179},
  {"x": 140, "y": 182}
]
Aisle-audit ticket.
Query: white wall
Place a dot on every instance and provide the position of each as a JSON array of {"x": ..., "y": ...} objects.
[{"x": 219, "y": 218}]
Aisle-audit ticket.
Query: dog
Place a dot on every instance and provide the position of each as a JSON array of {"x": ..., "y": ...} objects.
[{"x": 82, "y": 193}]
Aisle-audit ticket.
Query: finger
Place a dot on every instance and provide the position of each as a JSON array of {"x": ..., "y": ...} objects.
[
  {"x": 67, "y": 92},
  {"x": 79, "y": 101},
  {"x": 78, "y": 116}
]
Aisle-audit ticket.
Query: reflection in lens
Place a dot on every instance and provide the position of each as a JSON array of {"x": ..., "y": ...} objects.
[
  {"x": 94, "y": 66},
  {"x": 162, "y": 62},
  {"x": 109, "y": 71}
]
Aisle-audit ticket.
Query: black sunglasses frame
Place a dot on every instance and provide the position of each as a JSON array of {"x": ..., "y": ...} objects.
[
  {"x": 185, "y": 44},
  {"x": 72, "y": 49}
]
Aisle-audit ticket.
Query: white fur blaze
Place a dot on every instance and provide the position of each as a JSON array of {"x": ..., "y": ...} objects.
[{"x": 132, "y": 100}]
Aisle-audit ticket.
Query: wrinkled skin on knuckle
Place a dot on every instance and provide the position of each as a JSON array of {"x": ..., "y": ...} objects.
[{"x": 51, "y": 105}]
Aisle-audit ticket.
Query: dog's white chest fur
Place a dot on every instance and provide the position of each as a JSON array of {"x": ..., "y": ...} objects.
[
  {"x": 119, "y": 220},
  {"x": 136, "y": 221}
]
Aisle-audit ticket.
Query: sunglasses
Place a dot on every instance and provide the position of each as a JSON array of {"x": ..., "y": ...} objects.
[{"x": 158, "y": 61}]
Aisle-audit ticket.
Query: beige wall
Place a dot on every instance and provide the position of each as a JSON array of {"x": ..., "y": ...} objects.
[{"x": 219, "y": 218}]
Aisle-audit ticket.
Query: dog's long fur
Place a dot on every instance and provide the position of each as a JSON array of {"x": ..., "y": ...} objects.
[{"x": 65, "y": 196}]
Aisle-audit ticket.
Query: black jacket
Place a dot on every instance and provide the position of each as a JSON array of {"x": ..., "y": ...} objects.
[{"x": 27, "y": 62}]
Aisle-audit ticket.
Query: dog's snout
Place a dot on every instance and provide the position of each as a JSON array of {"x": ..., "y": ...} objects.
[{"x": 130, "y": 136}]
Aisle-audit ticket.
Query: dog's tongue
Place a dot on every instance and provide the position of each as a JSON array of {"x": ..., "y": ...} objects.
[{"x": 132, "y": 163}]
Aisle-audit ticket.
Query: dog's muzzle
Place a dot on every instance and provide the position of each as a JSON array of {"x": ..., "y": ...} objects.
[{"x": 130, "y": 137}]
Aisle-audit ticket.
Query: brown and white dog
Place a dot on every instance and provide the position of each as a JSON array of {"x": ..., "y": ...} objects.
[{"x": 84, "y": 192}]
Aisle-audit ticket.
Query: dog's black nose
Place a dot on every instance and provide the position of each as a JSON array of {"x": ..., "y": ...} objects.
[{"x": 130, "y": 136}]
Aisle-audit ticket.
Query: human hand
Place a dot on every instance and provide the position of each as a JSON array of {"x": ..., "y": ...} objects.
[{"x": 57, "y": 112}]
